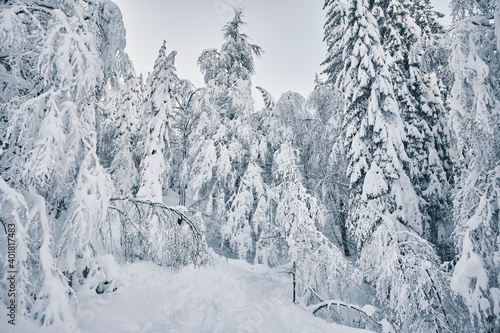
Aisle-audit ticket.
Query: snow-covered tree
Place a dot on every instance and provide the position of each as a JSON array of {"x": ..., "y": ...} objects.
[
  {"x": 122, "y": 168},
  {"x": 61, "y": 54},
  {"x": 230, "y": 69},
  {"x": 375, "y": 132},
  {"x": 167, "y": 236},
  {"x": 475, "y": 276},
  {"x": 325, "y": 161},
  {"x": 236, "y": 57},
  {"x": 157, "y": 105},
  {"x": 145, "y": 230},
  {"x": 405, "y": 271},
  {"x": 219, "y": 160},
  {"x": 269, "y": 101},
  {"x": 464, "y": 8},
  {"x": 383, "y": 196},
  {"x": 425, "y": 16},
  {"x": 475, "y": 110},
  {"x": 418, "y": 96},
  {"x": 318, "y": 266},
  {"x": 291, "y": 111},
  {"x": 334, "y": 28},
  {"x": 37, "y": 273},
  {"x": 181, "y": 120},
  {"x": 248, "y": 212}
]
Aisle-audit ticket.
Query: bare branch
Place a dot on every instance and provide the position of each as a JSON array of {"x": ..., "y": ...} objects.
[{"x": 4, "y": 226}]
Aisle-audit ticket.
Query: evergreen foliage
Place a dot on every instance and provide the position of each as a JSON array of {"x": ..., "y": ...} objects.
[
  {"x": 356, "y": 191},
  {"x": 475, "y": 121}
]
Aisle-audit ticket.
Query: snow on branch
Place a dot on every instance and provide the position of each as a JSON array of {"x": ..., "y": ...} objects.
[
  {"x": 368, "y": 313},
  {"x": 165, "y": 235}
]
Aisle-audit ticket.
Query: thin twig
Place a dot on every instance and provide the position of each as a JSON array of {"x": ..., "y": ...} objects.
[{"x": 4, "y": 226}]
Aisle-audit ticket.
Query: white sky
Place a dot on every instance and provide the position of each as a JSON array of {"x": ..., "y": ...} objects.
[{"x": 289, "y": 31}]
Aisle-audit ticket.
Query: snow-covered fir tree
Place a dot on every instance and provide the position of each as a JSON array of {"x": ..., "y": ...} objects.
[
  {"x": 123, "y": 169},
  {"x": 425, "y": 16},
  {"x": 157, "y": 105},
  {"x": 382, "y": 186},
  {"x": 417, "y": 93},
  {"x": 219, "y": 171},
  {"x": 334, "y": 28},
  {"x": 383, "y": 198},
  {"x": 54, "y": 187},
  {"x": 475, "y": 110},
  {"x": 325, "y": 161},
  {"x": 319, "y": 268},
  {"x": 181, "y": 120},
  {"x": 375, "y": 132},
  {"x": 151, "y": 230}
]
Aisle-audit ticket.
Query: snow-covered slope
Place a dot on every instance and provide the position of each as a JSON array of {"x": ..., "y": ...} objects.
[{"x": 232, "y": 296}]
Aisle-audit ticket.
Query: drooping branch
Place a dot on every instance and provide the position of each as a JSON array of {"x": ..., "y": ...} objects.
[
  {"x": 325, "y": 304},
  {"x": 163, "y": 208},
  {"x": 128, "y": 219},
  {"x": 170, "y": 244}
]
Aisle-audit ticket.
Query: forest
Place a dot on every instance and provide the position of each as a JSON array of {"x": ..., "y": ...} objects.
[{"x": 378, "y": 194}]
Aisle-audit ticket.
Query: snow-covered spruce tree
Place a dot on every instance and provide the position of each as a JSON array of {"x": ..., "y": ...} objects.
[
  {"x": 157, "y": 105},
  {"x": 334, "y": 28},
  {"x": 57, "y": 66},
  {"x": 220, "y": 155},
  {"x": 422, "y": 109},
  {"x": 325, "y": 162},
  {"x": 181, "y": 120},
  {"x": 333, "y": 192},
  {"x": 431, "y": 152},
  {"x": 143, "y": 236},
  {"x": 228, "y": 71},
  {"x": 318, "y": 266},
  {"x": 475, "y": 119},
  {"x": 375, "y": 131},
  {"x": 290, "y": 230},
  {"x": 383, "y": 200},
  {"x": 425, "y": 16},
  {"x": 150, "y": 230},
  {"x": 122, "y": 168}
]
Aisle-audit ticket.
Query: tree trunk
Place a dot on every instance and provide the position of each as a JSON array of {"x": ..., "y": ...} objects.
[
  {"x": 343, "y": 230},
  {"x": 182, "y": 186},
  {"x": 294, "y": 283}
]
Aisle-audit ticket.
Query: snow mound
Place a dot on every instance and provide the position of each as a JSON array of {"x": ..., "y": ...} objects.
[{"x": 233, "y": 296}]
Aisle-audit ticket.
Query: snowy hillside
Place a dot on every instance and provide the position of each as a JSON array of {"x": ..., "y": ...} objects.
[{"x": 232, "y": 296}]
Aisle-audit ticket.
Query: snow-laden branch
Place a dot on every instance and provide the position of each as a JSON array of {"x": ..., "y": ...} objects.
[
  {"x": 326, "y": 304},
  {"x": 163, "y": 234},
  {"x": 164, "y": 208}
]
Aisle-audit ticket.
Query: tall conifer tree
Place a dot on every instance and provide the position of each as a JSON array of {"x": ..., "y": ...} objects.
[{"x": 475, "y": 119}]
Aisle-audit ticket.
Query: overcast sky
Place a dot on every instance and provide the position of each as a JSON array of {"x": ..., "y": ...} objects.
[{"x": 289, "y": 31}]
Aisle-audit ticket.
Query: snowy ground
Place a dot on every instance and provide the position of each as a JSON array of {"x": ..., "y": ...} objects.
[{"x": 233, "y": 296}]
